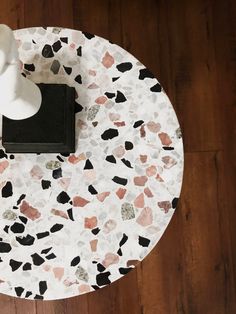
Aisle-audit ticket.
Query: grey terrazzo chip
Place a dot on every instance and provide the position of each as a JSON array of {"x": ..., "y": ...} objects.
[
  {"x": 178, "y": 133},
  {"x": 56, "y": 30},
  {"x": 55, "y": 66},
  {"x": 53, "y": 164},
  {"x": 127, "y": 211},
  {"x": 9, "y": 215},
  {"x": 81, "y": 274},
  {"x": 92, "y": 112}
]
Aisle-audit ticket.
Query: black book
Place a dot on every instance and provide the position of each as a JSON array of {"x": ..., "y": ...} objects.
[{"x": 50, "y": 130}]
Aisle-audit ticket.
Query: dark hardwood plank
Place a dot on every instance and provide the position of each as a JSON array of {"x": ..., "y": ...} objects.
[
  {"x": 224, "y": 28},
  {"x": 120, "y": 297},
  {"x": 51, "y": 307},
  {"x": 25, "y": 307},
  {"x": 92, "y": 17},
  {"x": 12, "y": 13},
  {"x": 77, "y": 305},
  {"x": 188, "y": 62},
  {"x": 7, "y": 304},
  {"x": 48, "y": 13},
  {"x": 139, "y": 25}
]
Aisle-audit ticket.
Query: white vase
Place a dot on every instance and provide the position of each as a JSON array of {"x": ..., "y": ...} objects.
[{"x": 20, "y": 98}]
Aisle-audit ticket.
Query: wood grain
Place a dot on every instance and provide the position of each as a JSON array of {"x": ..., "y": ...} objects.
[{"x": 191, "y": 47}]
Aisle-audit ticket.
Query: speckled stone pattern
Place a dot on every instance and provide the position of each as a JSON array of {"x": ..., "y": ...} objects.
[{"x": 74, "y": 223}]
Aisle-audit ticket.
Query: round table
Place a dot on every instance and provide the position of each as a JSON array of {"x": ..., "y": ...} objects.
[{"x": 71, "y": 224}]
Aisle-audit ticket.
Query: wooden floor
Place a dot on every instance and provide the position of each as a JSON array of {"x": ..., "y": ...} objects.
[{"x": 190, "y": 45}]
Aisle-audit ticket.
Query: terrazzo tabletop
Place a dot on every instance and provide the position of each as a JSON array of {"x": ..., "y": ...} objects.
[{"x": 71, "y": 224}]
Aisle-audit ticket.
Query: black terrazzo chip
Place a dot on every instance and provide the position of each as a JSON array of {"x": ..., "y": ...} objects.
[
  {"x": 95, "y": 287},
  {"x": 41, "y": 235},
  {"x": 75, "y": 261},
  {"x": 174, "y": 202},
  {"x": 102, "y": 279},
  {"x": 15, "y": 207},
  {"x": 109, "y": 134},
  {"x": 119, "y": 252},
  {"x": 88, "y": 35},
  {"x": 143, "y": 241},
  {"x": 111, "y": 158},
  {"x": 120, "y": 180},
  {"x": 2, "y": 154},
  {"x": 138, "y": 123},
  {"x": 28, "y": 294},
  {"x": 126, "y": 162},
  {"x": 56, "y": 228},
  {"x": 145, "y": 73},
  {"x": 45, "y": 251},
  {"x": 28, "y": 240},
  {"x": 115, "y": 79},
  {"x": 78, "y": 107},
  {"x": 38, "y": 297},
  {"x": 37, "y": 259},
  {"x": 23, "y": 219},
  {"x": 59, "y": 158},
  {"x": 120, "y": 97},
  {"x": 6, "y": 229},
  {"x": 56, "y": 46},
  {"x": 42, "y": 287},
  {"x": 79, "y": 51},
  {"x": 57, "y": 173},
  {"x": 64, "y": 39},
  {"x": 156, "y": 88},
  {"x": 110, "y": 95},
  {"x": 15, "y": 264},
  {"x": 29, "y": 67},
  {"x": 27, "y": 266},
  {"x": 168, "y": 148},
  {"x": 124, "y": 271},
  {"x": 123, "y": 240},
  {"x": 70, "y": 214},
  {"x": 47, "y": 51},
  {"x": 125, "y": 66},
  {"x": 51, "y": 256},
  {"x": 5, "y": 247},
  {"x": 100, "y": 267},
  {"x": 88, "y": 165},
  {"x": 45, "y": 184},
  {"x": 17, "y": 227},
  {"x": 68, "y": 70},
  {"x": 96, "y": 231},
  {"x": 12, "y": 156},
  {"x": 78, "y": 79},
  {"x": 20, "y": 199},
  {"x": 92, "y": 190},
  {"x": 63, "y": 197},
  {"x": 128, "y": 145},
  {"x": 19, "y": 291},
  {"x": 7, "y": 190}
]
